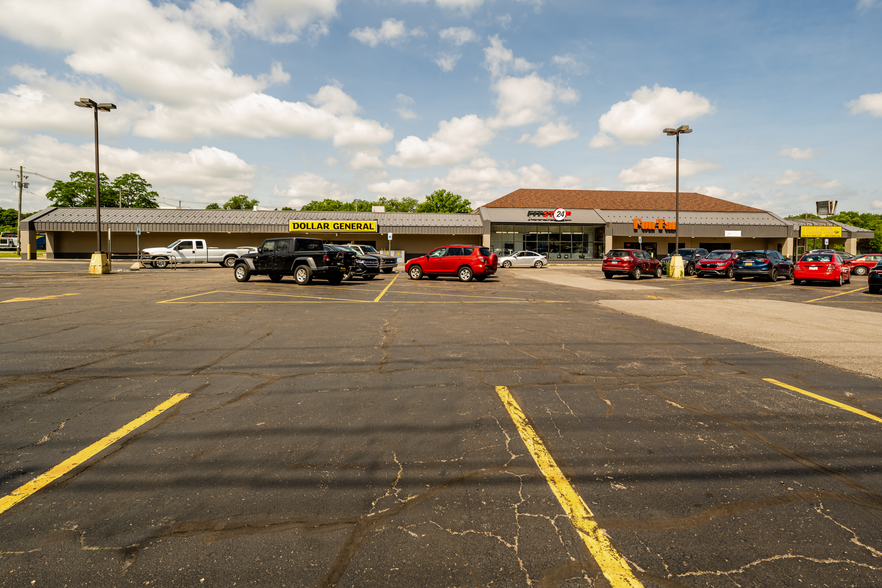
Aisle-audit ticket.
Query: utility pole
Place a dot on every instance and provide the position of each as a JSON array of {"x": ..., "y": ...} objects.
[{"x": 18, "y": 220}]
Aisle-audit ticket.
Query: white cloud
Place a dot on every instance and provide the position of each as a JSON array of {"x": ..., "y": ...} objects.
[
  {"x": 397, "y": 188},
  {"x": 806, "y": 178},
  {"x": 871, "y": 103},
  {"x": 877, "y": 204},
  {"x": 403, "y": 111},
  {"x": 455, "y": 140},
  {"x": 641, "y": 119},
  {"x": 391, "y": 32},
  {"x": 447, "y": 62},
  {"x": 458, "y": 35},
  {"x": 863, "y": 5},
  {"x": 303, "y": 188},
  {"x": 498, "y": 60},
  {"x": 277, "y": 21},
  {"x": 527, "y": 100},
  {"x": 364, "y": 160},
  {"x": 569, "y": 63},
  {"x": 466, "y": 6},
  {"x": 796, "y": 153},
  {"x": 551, "y": 133},
  {"x": 482, "y": 181},
  {"x": 662, "y": 169}
]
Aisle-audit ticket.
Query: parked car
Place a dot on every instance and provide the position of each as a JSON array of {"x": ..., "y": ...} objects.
[
  {"x": 631, "y": 262},
  {"x": 366, "y": 267},
  {"x": 464, "y": 261},
  {"x": 827, "y": 267},
  {"x": 192, "y": 251},
  {"x": 845, "y": 256},
  {"x": 874, "y": 279},
  {"x": 387, "y": 262},
  {"x": 861, "y": 265},
  {"x": 717, "y": 263},
  {"x": 524, "y": 259},
  {"x": 762, "y": 262},
  {"x": 300, "y": 257},
  {"x": 690, "y": 258}
]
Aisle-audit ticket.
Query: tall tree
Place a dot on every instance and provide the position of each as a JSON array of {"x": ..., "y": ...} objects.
[
  {"x": 213, "y": 206},
  {"x": 133, "y": 191},
  {"x": 444, "y": 201},
  {"x": 240, "y": 202},
  {"x": 327, "y": 204},
  {"x": 396, "y": 205},
  {"x": 80, "y": 191}
]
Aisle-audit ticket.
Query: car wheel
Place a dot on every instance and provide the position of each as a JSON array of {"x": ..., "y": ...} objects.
[
  {"x": 790, "y": 273},
  {"x": 636, "y": 273},
  {"x": 848, "y": 279},
  {"x": 658, "y": 272},
  {"x": 466, "y": 274},
  {"x": 229, "y": 261},
  {"x": 537, "y": 264},
  {"x": 690, "y": 270},
  {"x": 241, "y": 272},
  {"x": 480, "y": 278},
  {"x": 335, "y": 278},
  {"x": 160, "y": 263},
  {"x": 302, "y": 275},
  {"x": 607, "y": 275},
  {"x": 840, "y": 281},
  {"x": 773, "y": 277},
  {"x": 861, "y": 271},
  {"x": 415, "y": 272},
  {"x": 369, "y": 276},
  {"x": 730, "y": 273},
  {"x": 506, "y": 264},
  {"x": 275, "y": 277}
]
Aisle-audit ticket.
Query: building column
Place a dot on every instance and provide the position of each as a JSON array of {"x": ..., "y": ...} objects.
[
  {"x": 851, "y": 246},
  {"x": 607, "y": 243},
  {"x": 787, "y": 250}
]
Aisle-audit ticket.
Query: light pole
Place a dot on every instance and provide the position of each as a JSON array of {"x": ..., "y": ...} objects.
[
  {"x": 98, "y": 257},
  {"x": 683, "y": 130}
]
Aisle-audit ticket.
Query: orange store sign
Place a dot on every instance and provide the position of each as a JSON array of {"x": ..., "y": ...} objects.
[{"x": 658, "y": 224}]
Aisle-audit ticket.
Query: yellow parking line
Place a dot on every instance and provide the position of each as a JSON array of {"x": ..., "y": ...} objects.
[
  {"x": 835, "y": 295},
  {"x": 40, "y": 298},
  {"x": 377, "y": 299},
  {"x": 827, "y": 400},
  {"x": 612, "y": 565},
  {"x": 787, "y": 283},
  {"x": 72, "y": 462}
]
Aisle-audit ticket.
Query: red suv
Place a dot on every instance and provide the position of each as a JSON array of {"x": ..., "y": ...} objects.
[
  {"x": 631, "y": 262},
  {"x": 717, "y": 263},
  {"x": 464, "y": 261}
]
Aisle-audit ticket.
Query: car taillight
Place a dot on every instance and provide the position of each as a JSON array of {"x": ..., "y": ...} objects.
[
  {"x": 830, "y": 268},
  {"x": 327, "y": 257}
]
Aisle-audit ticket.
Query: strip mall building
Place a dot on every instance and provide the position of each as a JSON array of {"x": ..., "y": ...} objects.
[{"x": 567, "y": 225}]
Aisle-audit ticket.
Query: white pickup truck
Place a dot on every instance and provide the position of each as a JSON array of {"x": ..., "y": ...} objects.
[{"x": 192, "y": 251}]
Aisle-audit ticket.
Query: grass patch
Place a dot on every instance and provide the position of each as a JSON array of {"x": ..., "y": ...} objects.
[{"x": 15, "y": 255}]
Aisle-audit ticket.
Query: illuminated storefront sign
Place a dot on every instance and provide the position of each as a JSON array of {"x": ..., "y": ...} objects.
[
  {"x": 658, "y": 224},
  {"x": 820, "y": 232},
  {"x": 558, "y": 215},
  {"x": 333, "y": 226}
]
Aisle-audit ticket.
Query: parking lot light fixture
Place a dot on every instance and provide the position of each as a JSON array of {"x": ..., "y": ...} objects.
[
  {"x": 681, "y": 130},
  {"x": 99, "y": 263}
]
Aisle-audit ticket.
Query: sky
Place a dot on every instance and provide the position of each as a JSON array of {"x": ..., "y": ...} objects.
[{"x": 290, "y": 101}]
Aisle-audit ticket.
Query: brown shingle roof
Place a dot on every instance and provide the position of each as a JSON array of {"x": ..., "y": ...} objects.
[{"x": 613, "y": 200}]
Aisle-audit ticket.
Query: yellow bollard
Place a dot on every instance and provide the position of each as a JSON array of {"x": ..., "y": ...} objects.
[
  {"x": 99, "y": 264},
  {"x": 675, "y": 267}
]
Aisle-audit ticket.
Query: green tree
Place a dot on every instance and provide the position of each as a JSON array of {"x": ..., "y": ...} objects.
[
  {"x": 324, "y": 205},
  {"x": 864, "y": 220},
  {"x": 287, "y": 208},
  {"x": 444, "y": 201},
  {"x": 80, "y": 191},
  {"x": 395, "y": 205},
  {"x": 133, "y": 191},
  {"x": 804, "y": 215},
  {"x": 240, "y": 202},
  {"x": 213, "y": 206}
]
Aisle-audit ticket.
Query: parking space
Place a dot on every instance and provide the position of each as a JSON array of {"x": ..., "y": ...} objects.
[{"x": 529, "y": 430}]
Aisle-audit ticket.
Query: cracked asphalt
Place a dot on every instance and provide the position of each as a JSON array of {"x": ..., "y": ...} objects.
[{"x": 353, "y": 436}]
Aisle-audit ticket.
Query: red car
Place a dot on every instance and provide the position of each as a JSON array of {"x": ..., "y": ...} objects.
[
  {"x": 827, "y": 267},
  {"x": 717, "y": 263},
  {"x": 862, "y": 264},
  {"x": 631, "y": 262},
  {"x": 464, "y": 261}
]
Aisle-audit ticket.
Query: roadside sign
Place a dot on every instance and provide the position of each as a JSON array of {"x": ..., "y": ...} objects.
[
  {"x": 390, "y": 236},
  {"x": 138, "y": 231},
  {"x": 826, "y": 242},
  {"x": 640, "y": 239}
]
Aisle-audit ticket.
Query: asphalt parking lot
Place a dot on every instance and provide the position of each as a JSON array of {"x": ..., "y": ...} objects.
[{"x": 542, "y": 428}]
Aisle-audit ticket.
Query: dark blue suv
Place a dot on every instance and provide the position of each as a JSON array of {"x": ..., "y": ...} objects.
[{"x": 762, "y": 262}]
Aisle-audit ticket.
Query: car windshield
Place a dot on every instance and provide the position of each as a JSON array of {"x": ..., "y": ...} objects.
[
  {"x": 817, "y": 257},
  {"x": 172, "y": 246},
  {"x": 719, "y": 255},
  {"x": 369, "y": 249},
  {"x": 619, "y": 253},
  {"x": 485, "y": 252},
  {"x": 751, "y": 254},
  {"x": 686, "y": 252}
]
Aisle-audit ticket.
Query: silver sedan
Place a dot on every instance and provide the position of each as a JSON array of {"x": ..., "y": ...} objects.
[{"x": 524, "y": 259}]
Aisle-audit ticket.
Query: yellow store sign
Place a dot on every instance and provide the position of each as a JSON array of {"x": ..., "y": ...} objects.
[
  {"x": 303, "y": 226},
  {"x": 820, "y": 232}
]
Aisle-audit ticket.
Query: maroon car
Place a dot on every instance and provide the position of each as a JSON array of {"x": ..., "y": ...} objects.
[
  {"x": 464, "y": 261},
  {"x": 631, "y": 262},
  {"x": 717, "y": 263}
]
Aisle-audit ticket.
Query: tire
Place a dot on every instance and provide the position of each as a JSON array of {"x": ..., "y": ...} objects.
[
  {"x": 840, "y": 281},
  {"x": 465, "y": 274},
  {"x": 160, "y": 263},
  {"x": 275, "y": 277},
  {"x": 607, "y": 275},
  {"x": 538, "y": 264},
  {"x": 335, "y": 278},
  {"x": 241, "y": 272},
  {"x": 369, "y": 276},
  {"x": 790, "y": 273},
  {"x": 690, "y": 270},
  {"x": 480, "y": 278},
  {"x": 636, "y": 273},
  {"x": 506, "y": 264},
  {"x": 861, "y": 271},
  {"x": 658, "y": 272},
  {"x": 415, "y": 272},
  {"x": 796, "y": 282},
  {"x": 773, "y": 277},
  {"x": 730, "y": 273},
  {"x": 230, "y": 261},
  {"x": 302, "y": 275}
]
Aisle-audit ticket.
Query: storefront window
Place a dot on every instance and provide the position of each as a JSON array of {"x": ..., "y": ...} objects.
[{"x": 557, "y": 241}]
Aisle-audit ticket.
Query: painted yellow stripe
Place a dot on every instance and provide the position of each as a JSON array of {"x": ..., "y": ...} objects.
[
  {"x": 74, "y": 461},
  {"x": 758, "y": 287},
  {"x": 835, "y": 295},
  {"x": 377, "y": 299},
  {"x": 825, "y": 399},
  {"x": 40, "y": 298},
  {"x": 332, "y": 301},
  {"x": 612, "y": 565}
]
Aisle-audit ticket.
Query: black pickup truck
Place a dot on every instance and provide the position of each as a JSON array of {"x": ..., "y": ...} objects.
[{"x": 302, "y": 258}]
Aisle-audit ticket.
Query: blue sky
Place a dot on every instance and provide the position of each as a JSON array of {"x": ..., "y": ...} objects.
[{"x": 295, "y": 100}]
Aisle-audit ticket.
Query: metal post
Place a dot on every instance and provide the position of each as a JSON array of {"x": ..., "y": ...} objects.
[
  {"x": 18, "y": 222},
  {"x": 677, "y": 203},
  {"x": 97, "y": 183}
]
